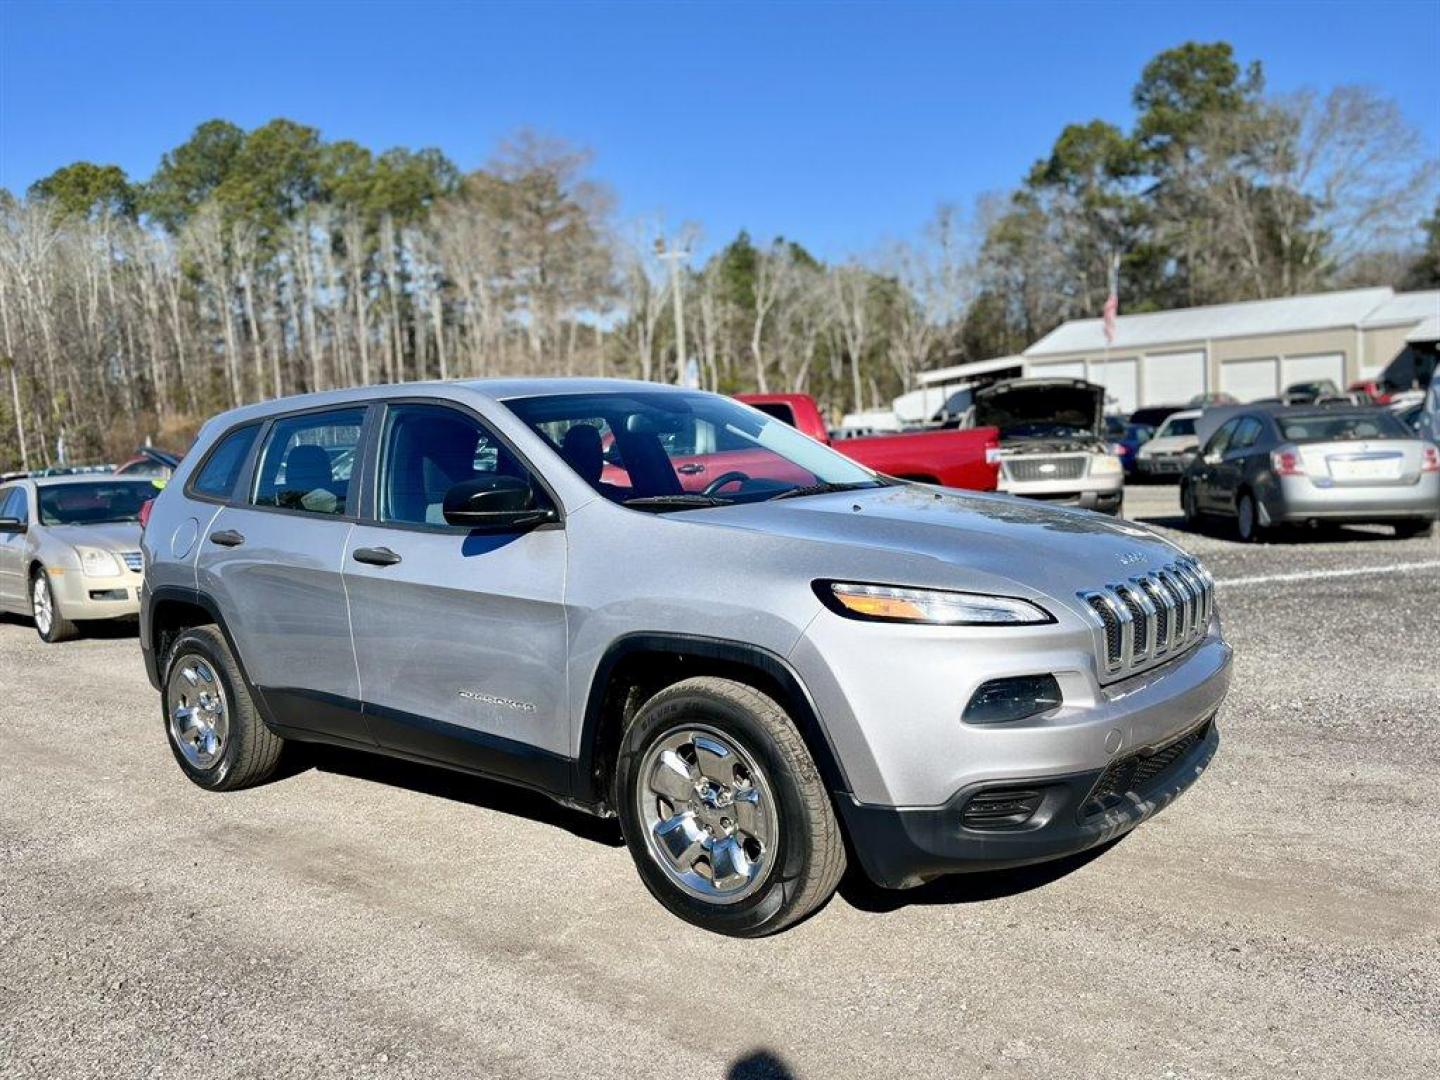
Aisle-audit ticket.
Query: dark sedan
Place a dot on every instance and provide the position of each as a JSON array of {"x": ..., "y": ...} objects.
[{"x": 1270, "y": 465}]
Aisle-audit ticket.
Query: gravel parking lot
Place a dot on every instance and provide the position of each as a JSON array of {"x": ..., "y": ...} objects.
[{"x": 362, "y": 917}]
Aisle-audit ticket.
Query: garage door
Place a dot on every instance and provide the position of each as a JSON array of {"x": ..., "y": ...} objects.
[
  {"x": 1070, "y": 369},
  {"x": 1314, "y": 368},
  {"x": 1174, "y": 378},
  {"x": 1250, "y": 379},
  {"x": 1121, "y": 379}
]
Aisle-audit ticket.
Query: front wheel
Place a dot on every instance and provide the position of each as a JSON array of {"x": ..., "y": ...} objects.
[
  {"x": 50, "y": 624},
  {"x": 211, "y": 723},
  {"x": 725, "y": 815},
  {"x": 1189, "y": 506}
]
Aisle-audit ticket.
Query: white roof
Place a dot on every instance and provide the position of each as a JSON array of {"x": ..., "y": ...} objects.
[
  {"x": 960, "y": 372},
  {"x": 1287, "y": 315},
  {"x": 1429, "y": 330},
  {"x": 1406, "y": 307}
]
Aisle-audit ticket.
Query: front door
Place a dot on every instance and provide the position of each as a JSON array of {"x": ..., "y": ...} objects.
[
  {"x": 14, "y": 595},
  {"x": 1207, "y": 477},
  {"x": 272, "y": 562},
  {"x": 1230, "y": 473},
  {"x": 460, "y": 636}
]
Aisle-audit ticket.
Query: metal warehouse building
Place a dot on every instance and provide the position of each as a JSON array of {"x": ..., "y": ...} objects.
[{"x": 1251, "y": 350}]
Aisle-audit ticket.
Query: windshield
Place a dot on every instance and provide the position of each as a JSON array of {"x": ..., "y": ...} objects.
[
  {"x": 1176, "y": 426},
  {"x": 677, "y": 451},
  {"x": 1376, "y": 425},
  {"x": 93, "y": 504}
]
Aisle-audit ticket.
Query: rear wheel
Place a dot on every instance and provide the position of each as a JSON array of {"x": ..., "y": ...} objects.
[
  {"x": 726, "y": 817},
  {"x": 1409, "y": 530},
  {"x": 50, "y": 624},
  {"x": 211, "y": 723},
  {"x": 1247, "y": 519}
]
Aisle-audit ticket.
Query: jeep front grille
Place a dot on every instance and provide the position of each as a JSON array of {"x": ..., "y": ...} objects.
[
  {"x": 134, "y": 560},
  {"x": 1043, "y": 467},
  {"x": 1152, "y": 617}
]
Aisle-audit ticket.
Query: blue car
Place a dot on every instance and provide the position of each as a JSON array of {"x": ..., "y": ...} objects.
[{"x": 1126, "y": 439}]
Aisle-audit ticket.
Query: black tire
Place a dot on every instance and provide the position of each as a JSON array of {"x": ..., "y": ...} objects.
[
  {"x": 1189, "y": 506},
  {"x": 250, "y": 751},
  {"x": 1410, "y": 530},
  {"x": 60, "y": 628},
  {"x": 806, "y": 862},
  {"x": 1247, "y": 519}
]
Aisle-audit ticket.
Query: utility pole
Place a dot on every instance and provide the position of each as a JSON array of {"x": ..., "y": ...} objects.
[{"x": 674, "y": 256}]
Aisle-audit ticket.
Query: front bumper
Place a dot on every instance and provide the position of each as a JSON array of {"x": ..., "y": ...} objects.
[
  {"x": 87, "y": 598},
  {"x": 1106, "y": 495},
  {"x": 1167, "y": 465},
  {"x": 901, "y": 848}
]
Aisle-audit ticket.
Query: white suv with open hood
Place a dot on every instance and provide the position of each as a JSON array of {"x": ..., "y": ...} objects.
[{"x": 1052, "y": 442}]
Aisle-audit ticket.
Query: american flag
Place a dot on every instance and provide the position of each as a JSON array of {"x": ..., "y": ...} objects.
[{"x": 1112, "y": 303}]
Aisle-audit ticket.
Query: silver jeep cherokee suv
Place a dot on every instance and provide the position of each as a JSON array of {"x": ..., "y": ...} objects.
[{"x": 666, "y": 606}]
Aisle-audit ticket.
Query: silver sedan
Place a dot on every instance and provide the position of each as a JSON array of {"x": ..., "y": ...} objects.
[{"x": 70, "y": 549}]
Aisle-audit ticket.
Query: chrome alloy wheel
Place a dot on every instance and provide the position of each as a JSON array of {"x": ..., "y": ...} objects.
[
  {"x": 199, "y": 717},
  {"x": 43, "y": 604},
  {"x": 709, "y": 814}
]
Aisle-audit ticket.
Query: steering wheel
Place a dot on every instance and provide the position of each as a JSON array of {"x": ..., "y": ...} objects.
[{"x": 731, "y": 477}]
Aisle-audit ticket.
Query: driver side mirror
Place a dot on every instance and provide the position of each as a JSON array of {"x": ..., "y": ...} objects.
[
  {"x": 495, "y": 504},
  {"x": 13, "y": 525}
]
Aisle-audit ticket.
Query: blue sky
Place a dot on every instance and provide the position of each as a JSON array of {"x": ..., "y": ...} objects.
[{"x": 839, "y": 125}]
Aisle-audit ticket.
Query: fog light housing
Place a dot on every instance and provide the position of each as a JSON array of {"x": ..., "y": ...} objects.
[
  {"x": 1001, "y": 701},
  {"x": 1001, "y": 808}
]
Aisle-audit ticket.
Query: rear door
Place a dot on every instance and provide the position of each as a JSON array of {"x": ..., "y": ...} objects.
[
  {"x": 271, "y": 559},
  {"x": 460, "y": 636}
]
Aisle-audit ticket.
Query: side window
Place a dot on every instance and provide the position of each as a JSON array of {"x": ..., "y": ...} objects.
[
  {"x": 307, "y": 461},
  {"x": 12, "y": 504},
  {"x": 217, "y": 476},
  {"x": 1245, "y": 434},
  {"x": 1220, "y": 441},
  {"x": 427, "y": 450}
]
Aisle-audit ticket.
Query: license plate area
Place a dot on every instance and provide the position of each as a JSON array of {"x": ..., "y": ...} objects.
[{"x": 1365, "y": 467}]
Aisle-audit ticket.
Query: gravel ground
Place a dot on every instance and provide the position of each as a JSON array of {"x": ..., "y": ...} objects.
[{"x": 363, "y": 918}]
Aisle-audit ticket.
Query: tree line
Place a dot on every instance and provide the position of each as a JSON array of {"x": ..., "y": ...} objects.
[{"x": 258, "y": 263}]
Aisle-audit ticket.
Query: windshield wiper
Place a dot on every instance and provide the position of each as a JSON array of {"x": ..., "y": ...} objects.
[
  {"x": 822, "y": 489},
  {"x": 688, "y": 500}
]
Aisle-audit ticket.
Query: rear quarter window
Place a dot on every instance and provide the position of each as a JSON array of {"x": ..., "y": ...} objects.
[{"x": 221, "y": 470}]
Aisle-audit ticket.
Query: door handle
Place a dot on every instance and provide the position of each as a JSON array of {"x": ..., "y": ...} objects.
[
  {"x": 690, "y": 470},
  {"x": 381, "y": 556},
  {"x": 227, "y": 538}
]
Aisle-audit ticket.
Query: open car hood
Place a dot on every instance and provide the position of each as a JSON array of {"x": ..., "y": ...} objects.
[{"x": 1019, "y": 404}]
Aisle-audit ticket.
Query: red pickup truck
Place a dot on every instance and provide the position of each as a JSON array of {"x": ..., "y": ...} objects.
[{"x": 951, "y": 458}]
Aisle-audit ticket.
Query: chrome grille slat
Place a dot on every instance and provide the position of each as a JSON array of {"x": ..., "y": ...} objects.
[
  {"x": 1152, "y": 617},
  {"x": 134, "y": 560}
]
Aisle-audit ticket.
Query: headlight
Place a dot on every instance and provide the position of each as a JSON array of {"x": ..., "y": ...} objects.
[
  {"x": 97, "y": 563},
  {"x": 1106, "y": 466},
  {"x": 889, "y": 603}
]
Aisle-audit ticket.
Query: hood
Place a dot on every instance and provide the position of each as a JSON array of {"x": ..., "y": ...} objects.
[
  {"x": 1023, "y": 408},
  {"x": 977, "y": 540},
  {"x": 116, "y": 536}
]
